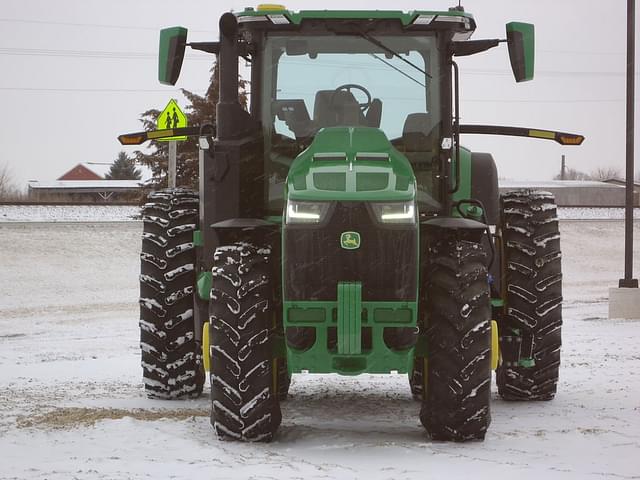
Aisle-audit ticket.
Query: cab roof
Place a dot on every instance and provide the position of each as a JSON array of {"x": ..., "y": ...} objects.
[{"x": 278, "y": 15}]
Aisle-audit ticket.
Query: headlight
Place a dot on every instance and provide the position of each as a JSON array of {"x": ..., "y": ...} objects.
[
  {"x": 305, "y": 212},
  {"x": 397, "y": 212}
]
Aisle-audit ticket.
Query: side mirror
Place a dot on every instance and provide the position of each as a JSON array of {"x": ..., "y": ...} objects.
[
  {"x": 171, "y": 53},
  {"x": 521, "y": 41}
]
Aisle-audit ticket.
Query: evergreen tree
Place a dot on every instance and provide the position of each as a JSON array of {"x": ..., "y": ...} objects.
[
  {"x": 124, "y": 168},
  {"x": 201, "y": 110}
]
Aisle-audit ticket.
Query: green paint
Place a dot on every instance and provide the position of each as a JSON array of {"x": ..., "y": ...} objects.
[
  {"x": 336, "y": 167},
  {"x": 204, "y": 285},
  {"x": 277, "y": 219},
  {"x": 350, "y": 240},
  {"x": 473, "y": 211},
  {"x": 306, "y": 315},
  {"x": 527, "y": 363},
  {"x": 497, "y": 302},
  {"x": 166, "y": 63},
  {"x": 523, "y": 49},
  {"x": 198, "y": 238},
  {"x": 374, "y": 315},
  {"x": 464, "y": 189},
  {"x": 390, "y": 315},
  {"x": 349, "y": 318}
]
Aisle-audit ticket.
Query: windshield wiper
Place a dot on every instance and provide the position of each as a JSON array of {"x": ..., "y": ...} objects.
[
  {"x": 378, "y": 43},
  {"x": 391, "y": 65}
]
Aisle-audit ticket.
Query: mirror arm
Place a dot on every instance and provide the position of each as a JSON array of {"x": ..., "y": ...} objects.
[
  {"x": 471, "y": 47},
  {"x": 209, "y": 47}
]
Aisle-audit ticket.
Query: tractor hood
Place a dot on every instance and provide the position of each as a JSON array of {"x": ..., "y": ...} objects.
[{"x": 351, "y": 163}]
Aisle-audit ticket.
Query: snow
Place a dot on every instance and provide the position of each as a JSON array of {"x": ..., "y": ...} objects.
[
  {"x": 68, "y": 213},
  {"x": 574, "y": 213},
  {"x": 72, "y": 403},
  {"x": 111, "y": 213},
  {"x": 105, "y": 184},
  {"x": 551, "y": 184}
]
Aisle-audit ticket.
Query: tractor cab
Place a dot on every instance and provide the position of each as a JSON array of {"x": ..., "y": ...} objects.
[{"x": 312, "y": 70}]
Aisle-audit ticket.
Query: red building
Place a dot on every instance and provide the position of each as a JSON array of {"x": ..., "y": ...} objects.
[{"x": 87, "y": 171}]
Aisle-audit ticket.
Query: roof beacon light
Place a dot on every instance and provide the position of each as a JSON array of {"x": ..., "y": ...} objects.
[{"x": 270, "y": 7}]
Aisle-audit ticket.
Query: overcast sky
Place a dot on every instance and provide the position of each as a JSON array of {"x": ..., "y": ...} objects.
[{"x": 76, "y": 73}]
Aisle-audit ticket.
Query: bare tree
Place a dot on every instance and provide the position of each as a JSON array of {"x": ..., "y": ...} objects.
[
  {"x": 573, "y": 174},
  {"x": 606, "y": 173},
  {"x": 8, "y": 188},
  {"x": 6, "y": 181}
]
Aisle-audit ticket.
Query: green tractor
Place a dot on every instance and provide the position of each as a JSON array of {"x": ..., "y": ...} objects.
[{"x": 340, "y": 227}]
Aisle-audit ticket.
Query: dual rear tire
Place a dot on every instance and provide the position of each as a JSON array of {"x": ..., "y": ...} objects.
[
  {"x": 454, "y": 379},
  {"x": 171, "y": 357},
  {"x": 530, "y": 329}
]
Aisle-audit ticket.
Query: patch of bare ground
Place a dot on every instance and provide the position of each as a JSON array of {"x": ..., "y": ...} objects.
[{"x": 72, "y": 417}]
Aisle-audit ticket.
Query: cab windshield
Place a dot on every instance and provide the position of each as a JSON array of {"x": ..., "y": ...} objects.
[{"x": 387, "y": 82}]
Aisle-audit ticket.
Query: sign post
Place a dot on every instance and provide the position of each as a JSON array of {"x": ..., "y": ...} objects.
[
  {"x": 173, "y": 153},
  {"x": 624, "y": 301},
  {"x": 172, "y": 117}
]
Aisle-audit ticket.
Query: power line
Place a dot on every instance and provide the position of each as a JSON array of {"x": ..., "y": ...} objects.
[
  {"x": 547, "y": 73},
  {"x": 174, "y": 90},
  {"x": 90, "y": 25},
  {"x": 576, "y": 52},
  {"x": 470, "y": 100},
  {"x": 91, "y": 54},
  {"x": 92, "y": 90},
  {"x": 156, "y": 29},
  {"x": 106, "y": 54}
]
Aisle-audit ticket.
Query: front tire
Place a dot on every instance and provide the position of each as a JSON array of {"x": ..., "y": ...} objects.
[
  {"x": 456, "y": 399},
  {"x": 530, "y": 331},
  {"x": 244, "y": 383},
  {"x": 171, "y": 358}
]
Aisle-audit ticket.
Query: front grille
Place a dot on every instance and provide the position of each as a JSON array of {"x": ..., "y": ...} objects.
[{"x": 386, "y": 263}]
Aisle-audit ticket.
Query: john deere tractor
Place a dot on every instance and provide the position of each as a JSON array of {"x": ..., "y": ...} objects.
[{"x": 340, "y": 227}]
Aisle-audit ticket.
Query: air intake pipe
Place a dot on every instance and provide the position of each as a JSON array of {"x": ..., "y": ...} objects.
[{"x": 228, "y": 64}]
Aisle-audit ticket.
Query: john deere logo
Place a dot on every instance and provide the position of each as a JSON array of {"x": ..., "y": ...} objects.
[{"x": 350, "y": 240}]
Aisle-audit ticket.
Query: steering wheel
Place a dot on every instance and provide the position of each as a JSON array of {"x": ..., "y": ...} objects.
[{"x": 347, "y": 88}]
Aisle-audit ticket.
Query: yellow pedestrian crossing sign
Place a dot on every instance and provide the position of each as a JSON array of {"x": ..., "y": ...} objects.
[{"x": 171, "y": 117}]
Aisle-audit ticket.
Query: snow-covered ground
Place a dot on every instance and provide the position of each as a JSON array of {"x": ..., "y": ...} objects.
[
  {"x": 111, "y": 213},
  {"x": 72, "y": 403},
  {"x": 68, "y": 213}
]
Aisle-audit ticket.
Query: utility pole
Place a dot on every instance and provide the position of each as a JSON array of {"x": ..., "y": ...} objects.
[
  {"x": 628, "y": 281},
  {"x": 563, "y": 170},
  {"x": 624, "y": 301}
]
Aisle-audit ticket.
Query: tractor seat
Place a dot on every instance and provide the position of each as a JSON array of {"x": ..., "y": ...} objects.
[
  {"x": 420, "y": 138},
  {"x": 340, "y": 108},
  {"x": 418, "y": 133}
]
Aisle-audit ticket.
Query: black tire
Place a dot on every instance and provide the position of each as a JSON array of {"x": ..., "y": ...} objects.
[
  {"x": 171, "y": 357},
  {"x": 455, "y": 405},
  {"x": 416, "y": 378},
  {"x": 244, "y": 392},
  {"x": 532, "y": 318}
]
